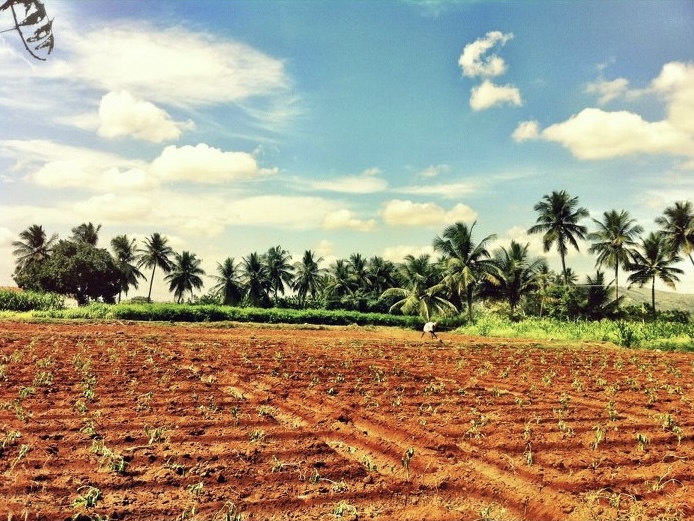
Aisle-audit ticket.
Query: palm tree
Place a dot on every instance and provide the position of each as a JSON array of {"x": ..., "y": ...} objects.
[
  {"x": 279, "y": 269},
  {"x": 357, "y": 265},
  {"x": 155, "y": 253},
  {"x": 124, "y": 252},
  {"x": 255, "y": 276},
  {"x": 614, "y": 242},
  {"x": 466, "y": 263},
  {"x": 558, "y": 221},
  {"x": 598, "y": 304},
  {"x": 677, "y": 223},
  {"x": 87, "y": 233},
  {"x": 655, "y": 259},
  {"x": 340, "y": 281},
  {"x": 418, "y": 291},
  {"x": 185, "y": 275},
  {"x": 309, "y": 276},
  {"x": 515, "y": 274},
  {"x": 229, "y": 285},
  {"x": 32, "y": 246},
  {"x": 381, "y": 275}
]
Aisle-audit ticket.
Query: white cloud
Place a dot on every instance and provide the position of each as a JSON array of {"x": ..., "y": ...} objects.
[
  {"x": 205, "y": 164},
  {"x": 114, "y": 209},
  {"x": 7, "y": 237},
  {"x": 473, "y": 60},
  {"x": 398, "y": 253},
  {"x": 597, "y": 134},
  {"x": 488, "y": 95},
  {"x": 365, "y": 183},
  {"x": 344, "y": 219},
  {"x": 407, "y": 213},
  {"x": 286, "y": 212},
  {"x": 434, "y": 171},
  {"x": 446, "y": 190},
  {"x": 121, "y": 114},
  {"x": 608, "y": 90},
  {"x": 526, "y": 130}
]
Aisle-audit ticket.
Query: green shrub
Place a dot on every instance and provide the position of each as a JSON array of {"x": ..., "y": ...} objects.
[{"x": 14, "y": 300}]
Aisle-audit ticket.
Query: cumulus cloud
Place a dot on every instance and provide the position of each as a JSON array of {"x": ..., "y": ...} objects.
[
  {"x": 279, "y": 211},
  {"x": 473, "y": 60},
  {"x": 408, "y": 213},
  {"x": 111, "y": 208},
  {"x": 608, "y": 90},
  {"x": 447, "y": 190},
  {"x": 488, "y": 95},
  {"x": 598, "y": 134},
  {"x": 205, "y": 164},
  {"x": 344, "y": 219},
  {"x": 121, "y": 114}
]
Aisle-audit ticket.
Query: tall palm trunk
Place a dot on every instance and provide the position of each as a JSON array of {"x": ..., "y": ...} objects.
[{"x": 151, "y": 281}]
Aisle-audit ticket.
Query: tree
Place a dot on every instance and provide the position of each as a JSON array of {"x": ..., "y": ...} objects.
[
  {"x": 255, "y": 277},
  {"x": 32, "y": 246},
  {"x": 358, "y": 269},
  {"x": 598, "y": 304},
  {"x": 558, "y": 221},
  {"x": 418, "y": 290},
  {"x": 381, "y": 275},
  {"x": 155, "y": 253},
  {"x": 229, "y": 285},
  {"x": 677, "y": 224},
  {"x": 279, "y": 269},
  {"x": 309, "y": 276},
  {"x": 515, "y": 274},
  {"x": 76, "y": 269},
  {"x": 614, "y": 242},
  {"x": 466, "y": 263},
  {"x": 654, "y": 260},
  {"x": 185, "y": 275},
  {"x": 124, "y": 251},
  {"x": 34, "y": 16},
  {"x": 340, "y": 281},
  {"x": 87, "y": 233}
]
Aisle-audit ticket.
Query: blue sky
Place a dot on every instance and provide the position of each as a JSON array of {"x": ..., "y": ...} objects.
[{"x": 343, "y": 127}]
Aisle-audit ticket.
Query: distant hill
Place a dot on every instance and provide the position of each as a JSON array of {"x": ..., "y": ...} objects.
[{"x": 664, "y": 300}]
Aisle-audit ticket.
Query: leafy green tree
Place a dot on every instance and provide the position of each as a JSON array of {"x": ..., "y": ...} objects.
[
  {"x": 76, "y": 269},
  {"x": 156, "y": 253},
  {"x": 357, "y": 267},
  {"x": 558, "y": 217},
  {"x": 467, "y": 263},
  {"x": 614, "y": 242},
  {"x": 598, "y": 302},
  {"x": 87, "y": 233},
  {"x": 677, "y": 224},
  {"x": 340, "y": 281},
  {"x": 256, "y": 280},
  {"x": 418, "y": 291},
  {"x": 309, "y": 277},
  {"x": 125, "y": 253},
  {"x": 32, "y": 246},
  {"x": 279, "y": 269},
  {"x": 515, "y": 274},
  {"x": 381, "y": 275},
  {"x": 229, "y": 285},
  {"x": 654, "y": 260},
  {"x": 185, "y": 275}
]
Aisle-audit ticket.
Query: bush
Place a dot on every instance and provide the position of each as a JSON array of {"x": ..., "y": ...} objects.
[{"x": 15, "y": 300}]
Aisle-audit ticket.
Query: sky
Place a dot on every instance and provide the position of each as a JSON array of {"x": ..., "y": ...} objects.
[{"x": 344, "y": 127}]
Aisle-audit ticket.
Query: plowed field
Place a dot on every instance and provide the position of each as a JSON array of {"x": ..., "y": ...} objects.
[{"x": 163, "y": 422}]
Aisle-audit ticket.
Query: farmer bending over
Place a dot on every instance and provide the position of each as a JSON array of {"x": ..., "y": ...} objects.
[{"x": 429, "y": 328}]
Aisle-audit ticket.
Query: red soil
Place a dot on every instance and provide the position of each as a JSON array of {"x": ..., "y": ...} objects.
[{"x": 212, "y": 422}]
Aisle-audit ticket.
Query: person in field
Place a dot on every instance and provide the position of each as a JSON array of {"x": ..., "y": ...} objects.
[{"x": 430, "y": 327}]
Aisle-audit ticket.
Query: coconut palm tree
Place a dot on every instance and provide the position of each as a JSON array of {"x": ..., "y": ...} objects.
[
  {"x": 357, "y": 266},
  {"x": 515, "y": 274},
  {"x": 309, "y": 276},
  {"x": 655, "y": 259},
  {"x": 124, "y": 251},
  {"x": 340, "y": 281},
  {"x": 155, "y": 253},
  {"x": 677, "y": 223},
  {"x": 558, "y": 221},
  {"x": 32, "y": 246},
  {"x": 614, "y": 242},
  {"x": 87, "y": 233},
  {"x": 279, "y": 269},
  {"x": 185, "y": 275},
  {"x": 381, "y": 275},
  {"x": 229, "y": 285},
  {"x": 254, "y": 274},
  {"x": 418, "y": 289},
  {"x": 466, "y": 263}
]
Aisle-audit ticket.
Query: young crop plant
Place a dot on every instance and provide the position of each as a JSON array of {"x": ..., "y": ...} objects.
[
  {"x": 641, "y": 441},
  {"x": 43, "y": 379},
  {"x": 257, "y": 436},
  {"x": 599, "y": 436},
  {"x": 406, "y": 459},
  {"x": 343, "y": 508},
  {"x": 155, "y": 434},
  {"x": 87, "y": 497},
  {"x": 229, "y": 512},
  {"x": 611, "y": 411}
]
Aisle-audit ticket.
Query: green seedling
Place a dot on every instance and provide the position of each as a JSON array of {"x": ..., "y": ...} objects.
[{"x": 406, "y": 459}]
